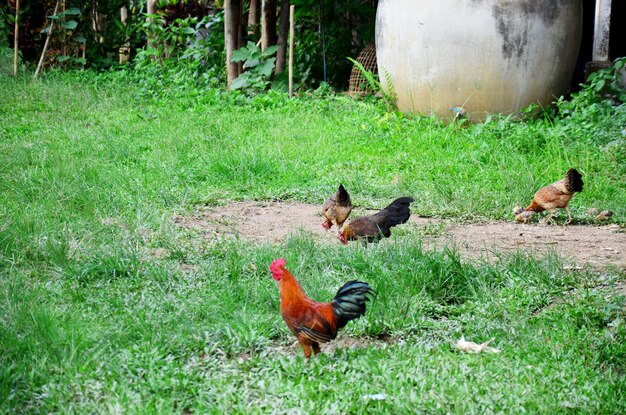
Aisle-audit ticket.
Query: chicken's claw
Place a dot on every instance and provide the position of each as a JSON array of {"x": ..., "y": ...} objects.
[
  {"x": 524, "y": 216},
  {"x": 604, "y": 215}
]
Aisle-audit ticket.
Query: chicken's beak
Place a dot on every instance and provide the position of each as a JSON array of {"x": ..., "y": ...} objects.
[{"x": 342, "y": 239}]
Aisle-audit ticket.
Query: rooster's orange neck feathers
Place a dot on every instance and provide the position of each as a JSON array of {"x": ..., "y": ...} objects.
[{"x": 290, "y": 287}]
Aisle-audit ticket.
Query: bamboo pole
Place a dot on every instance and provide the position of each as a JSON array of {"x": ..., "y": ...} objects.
[
  {"x": 15, "y": 38},
  {"x": 291, "y": 36},
  {"x": 151, "y": 11},
  {"x": 264, "y": 44},
  {"x": 45, "y": 45}
]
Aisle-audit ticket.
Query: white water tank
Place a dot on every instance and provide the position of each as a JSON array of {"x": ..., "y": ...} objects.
[{"x": 486, "y": 56}]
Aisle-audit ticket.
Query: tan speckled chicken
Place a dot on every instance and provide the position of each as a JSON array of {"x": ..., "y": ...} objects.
[
  {"x": 557, "y": 195},
  {"x": 337, "y": 209}
]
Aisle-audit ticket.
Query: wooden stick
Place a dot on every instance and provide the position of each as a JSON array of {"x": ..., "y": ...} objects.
[
  {"x": 602, "y": 31},
  {"x": 45, "y": 45},
  {"x": 291, "y": 36},
  {"x": 15, "y": 38}
]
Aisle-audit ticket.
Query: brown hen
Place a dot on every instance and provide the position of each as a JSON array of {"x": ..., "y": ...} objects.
[
  {"x": 337, "y": 209},
  {"x": 557, "y": 195}
]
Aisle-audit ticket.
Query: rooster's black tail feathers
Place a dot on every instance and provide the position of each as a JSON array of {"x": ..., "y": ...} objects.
[{"x": 349, "y": 303}]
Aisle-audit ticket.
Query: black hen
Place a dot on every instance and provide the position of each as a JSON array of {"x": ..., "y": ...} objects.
[{"x": 374, "y": 227}]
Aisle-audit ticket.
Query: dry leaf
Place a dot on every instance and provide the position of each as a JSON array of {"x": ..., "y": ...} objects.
[
  {"x": 471, "y": 347},
  {"x": 376, "y": 396}
]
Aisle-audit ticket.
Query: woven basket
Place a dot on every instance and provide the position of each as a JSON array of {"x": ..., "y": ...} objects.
[{"x": 358, "y": 85}]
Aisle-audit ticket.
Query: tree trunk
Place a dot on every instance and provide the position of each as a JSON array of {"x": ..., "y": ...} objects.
[
  {"x": 268, "y": 26},
  {"x": 151, "y": 7},
  {"x": 242, "y": 19},
  {"x": 124, "y": 50},
  {"x": 232, "y": 14},
  {"x": 281, "y": 56},
  {"x": 151, "y": 10},
  {"x": 96, "y": 22},
  {"x": 254, "y": 18},
  {"x": 16, "y": 36}
]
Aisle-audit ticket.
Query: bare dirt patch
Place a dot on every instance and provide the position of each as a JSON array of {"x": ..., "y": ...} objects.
[
  {"x": 597, "y": 246},
  {"x": 273, "y": 222}
]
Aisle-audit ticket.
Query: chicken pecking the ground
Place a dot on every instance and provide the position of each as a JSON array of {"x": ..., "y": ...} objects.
[
  {"x": 312, "y": 322},
  {"x": 374, "y": 227},
  {"x": 557, "y": 195},
  {"x": 337, "y": 209}
]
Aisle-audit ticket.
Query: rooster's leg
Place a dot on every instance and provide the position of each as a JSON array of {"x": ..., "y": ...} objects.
[
  {"x": 568, "y": 214},
  {"x": 316, "y": 348},
  {"x": 306, "y": 347}
]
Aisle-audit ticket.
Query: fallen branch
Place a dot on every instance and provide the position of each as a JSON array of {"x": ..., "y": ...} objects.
[{"x": 45, "y": 45}]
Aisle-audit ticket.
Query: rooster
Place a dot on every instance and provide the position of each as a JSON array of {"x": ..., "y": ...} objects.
[
  {"x": 337, "y": 209},
  {"x": 372, "y": 228},
  {"x": 312, "y": 322},
  {"x": 557, "y": 195}
]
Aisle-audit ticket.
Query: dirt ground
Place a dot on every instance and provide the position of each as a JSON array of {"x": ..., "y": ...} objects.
[{"x": 272, "y": 222}]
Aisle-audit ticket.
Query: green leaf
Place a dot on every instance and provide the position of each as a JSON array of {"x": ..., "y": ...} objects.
[
  {"x": 188, "y": 31},
  {"x": 63, "y": 58},
  {"x": 251, "y": 63},
  {"x": 242, "y": 81},
  {"x": 53, "y": 17},
  {"x": 73, "y": 11},
  {"x": 69, "y": 25},
  {"x": 267, "y": 67},
  {"x": 82, "y": 61},
  {"x": 80, "y": 39},
  {"x": 269, "y": 51},
  {"x": 240, "y": 55},
  {"x": 599, "y": 85}
]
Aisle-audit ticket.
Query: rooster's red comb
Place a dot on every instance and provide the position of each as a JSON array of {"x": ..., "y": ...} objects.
[{"x": 277, "y": 264}]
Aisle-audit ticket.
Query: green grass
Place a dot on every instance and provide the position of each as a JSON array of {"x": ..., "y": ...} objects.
[{"x": 93, "y": 320}]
